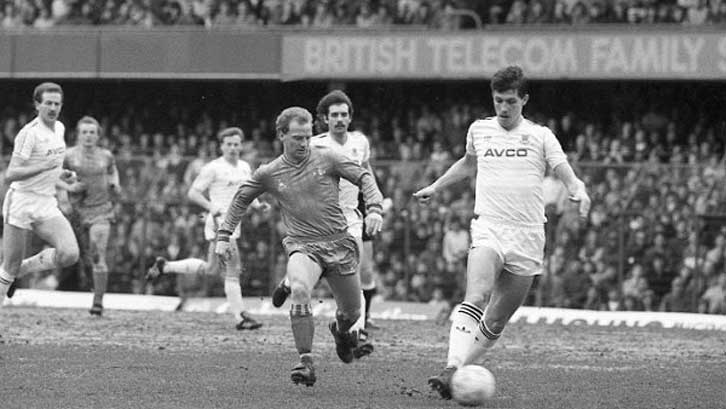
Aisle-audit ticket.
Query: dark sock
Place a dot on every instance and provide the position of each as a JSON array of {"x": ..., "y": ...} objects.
[
  {"x": 368, "y": 295},
  {"x": 343, "y": 323},
  {"x": 100, "y": 279}
]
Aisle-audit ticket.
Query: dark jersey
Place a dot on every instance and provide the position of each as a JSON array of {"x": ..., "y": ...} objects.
[{"x": 307, "y": 192}]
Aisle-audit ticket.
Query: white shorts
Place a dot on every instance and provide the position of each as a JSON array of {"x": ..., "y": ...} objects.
[
  {"x": 23, "y": 209},
  {"x": 355, "y": 222},
  {"x": 521, "y": 248},
  {"x": 211, "y": 224}
]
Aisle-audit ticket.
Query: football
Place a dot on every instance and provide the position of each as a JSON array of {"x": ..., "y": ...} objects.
[{"x": 472, "y": 385}]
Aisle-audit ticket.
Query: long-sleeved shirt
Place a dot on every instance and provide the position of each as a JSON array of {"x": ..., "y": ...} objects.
[{"x": 307, "y": 192}]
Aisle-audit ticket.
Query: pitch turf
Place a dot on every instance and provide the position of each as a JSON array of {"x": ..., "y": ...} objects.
[{"x": 66, "y": 359}]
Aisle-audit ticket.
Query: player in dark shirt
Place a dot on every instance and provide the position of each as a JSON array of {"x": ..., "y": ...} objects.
[{"x": 305, "y": 181}]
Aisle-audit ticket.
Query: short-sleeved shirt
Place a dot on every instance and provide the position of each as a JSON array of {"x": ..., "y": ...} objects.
[
  {"x": 355, "y": 148},
  {"x": 222, "y": 179},
  {"x": 94, "y": 169},
  {"x": 37, "y": 143},
  {"x": 510, "y": 169},
  {"x": 307, "y": 192}
]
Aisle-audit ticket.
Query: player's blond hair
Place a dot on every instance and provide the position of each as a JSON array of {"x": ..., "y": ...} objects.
[
  {"x": 46, "y": 87},
  {"x": 297, "y": 114}
]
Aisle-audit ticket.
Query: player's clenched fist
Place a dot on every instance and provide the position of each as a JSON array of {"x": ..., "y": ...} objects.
[
  {"x": 223, "y": 249},
  {"x": 425, "y": 194},
  {"x": 374, "y": 223},
  {"x": 581, "y": 197}
]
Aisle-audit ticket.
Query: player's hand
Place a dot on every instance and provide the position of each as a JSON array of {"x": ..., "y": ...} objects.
[
  {"x": 264, "y": 207},
  {"x": 425, "y": 194},
  {"x": 68, "y": 176},
  {"x": 216, "y": 211},
  {"x": 76, "y": 187},
  {"x": 115, "y": 189},
  {"x": 223, "y": 250},
  {"x": 583, "y": 201},
  {"x": 374, "y": 223}
]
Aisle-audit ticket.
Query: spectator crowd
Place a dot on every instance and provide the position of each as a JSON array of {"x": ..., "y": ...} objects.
[
  {"x": 366, "y": 14},
  {"x": 652, "y": 172}
]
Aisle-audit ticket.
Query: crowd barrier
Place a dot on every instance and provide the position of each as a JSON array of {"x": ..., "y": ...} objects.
[{"x": 385, "y": 310}]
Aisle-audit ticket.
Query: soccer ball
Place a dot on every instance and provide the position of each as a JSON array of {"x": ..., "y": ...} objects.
[{"x": 472, "y": 385}]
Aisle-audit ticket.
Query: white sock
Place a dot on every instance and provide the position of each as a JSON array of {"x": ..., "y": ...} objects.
[
  {"x": 464, "y": 326},
  {"x": 287, "y": 282},
  {"x": 361, "y": 322},
  {"x": 233, "y": 291},
  {"x": 43, "y": 261},
  {"x": 186, "y": 266},
  {"x": 5, "y": 281},
  {"x": 484, "y": 339}
]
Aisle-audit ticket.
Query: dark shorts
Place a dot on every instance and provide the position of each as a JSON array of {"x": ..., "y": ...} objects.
[
  {"x": 90, "y": 215},
  {"x": 337, "y": 256}
]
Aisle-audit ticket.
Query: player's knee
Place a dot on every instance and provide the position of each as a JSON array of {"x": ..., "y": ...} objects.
[
  {"x": 366, "y": 277},
  {"x": 299, "y": 292},
  {"x": 100, "y": 267},
  {"x": 67, "y": 256}
]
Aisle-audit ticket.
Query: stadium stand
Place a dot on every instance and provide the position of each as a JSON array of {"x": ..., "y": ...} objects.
[
  {"x": 369, "y": 14},
  {"x": 653, "y": 167}
]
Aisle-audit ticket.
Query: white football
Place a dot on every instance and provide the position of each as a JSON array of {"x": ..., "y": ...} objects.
[{"x": 472, "y": 385}]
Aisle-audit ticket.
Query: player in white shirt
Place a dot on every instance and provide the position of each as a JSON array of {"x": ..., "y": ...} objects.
[
  {"x": 34, "y": 173},
  {"x": 220, "y": 178},
  {"x": 509, "y": 155},
  {"x": 335, "y": 109}
]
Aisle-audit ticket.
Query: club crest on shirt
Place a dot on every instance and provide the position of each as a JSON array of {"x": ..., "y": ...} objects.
[
  {"x": 319, "y": 172},
  {"x": 525, "y": 139},
  {"x": 281, "y": 186}
]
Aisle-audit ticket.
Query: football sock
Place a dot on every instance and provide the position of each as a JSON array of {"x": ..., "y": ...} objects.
[
  {"x": 186, "y": 266},
  {"x": 5, "y": 281},
  {"x": 368, "y": 295},
  {"x": 345, "y": 324},
  {"x": 484, "y": 339},
  {"x": 303, "y": 327},
  {"x": 43, "y": 261},
  {"x": 233, "y": 291},
  {"x": 100, "y": 280},
  {"x": 464, "y": 326},
  {"x": 360, "y": 323}
]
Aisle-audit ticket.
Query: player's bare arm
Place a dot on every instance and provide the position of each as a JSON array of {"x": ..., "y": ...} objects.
[
  {"x": 575, "y": 186},
  {"x": 198, "y": 198},
  {"x": 114, "y": 179},
  {"x": 462, "y": 168},
  {"x": 242, "y": 200},
  {"x": 20, "y": 169},
  {"x": 372, "y": 196},
  {"x": 69, "y": 182}
]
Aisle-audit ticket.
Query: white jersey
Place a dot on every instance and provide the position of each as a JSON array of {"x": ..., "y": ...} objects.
[
  {"x": 36, "y": 143},
  {"x": 510, "y": 169},
  {"x": 355, "y": 148},
  {"x": 222, "y": 179}
]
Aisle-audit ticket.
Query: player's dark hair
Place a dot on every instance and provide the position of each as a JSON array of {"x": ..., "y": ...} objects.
[
  {"x": 298, "y": 114},
  {"x": 89, "y": 120},
  {"x": 510, "y": 78},
  {"x": 46, "y": 87},
  {"x": 227, "y": 132},
  {"x": 333, "y": 98}
]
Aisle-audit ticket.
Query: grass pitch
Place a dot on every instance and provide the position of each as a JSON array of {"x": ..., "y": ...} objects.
[{"x": 56, "y": 358}]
